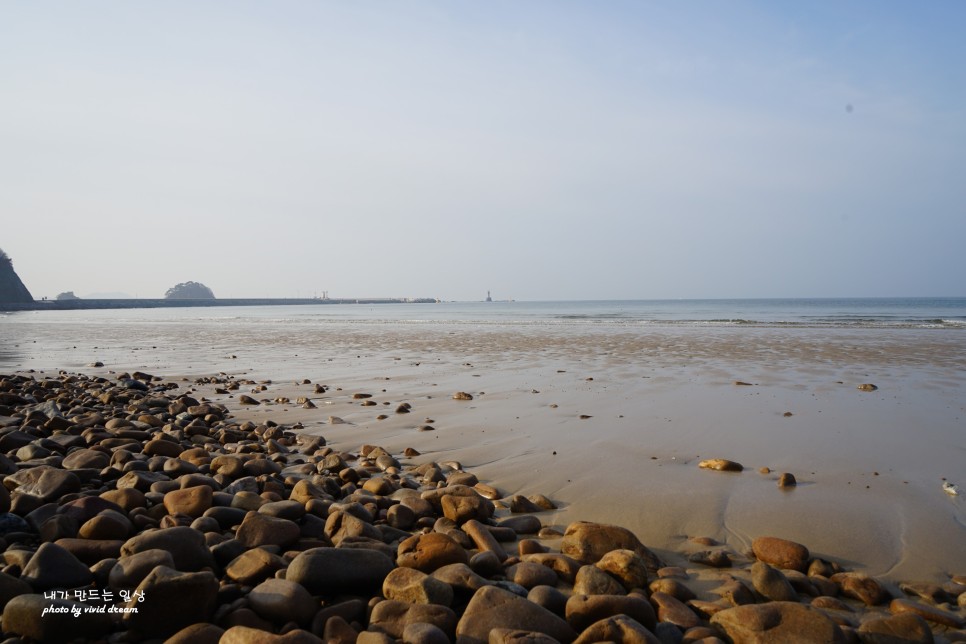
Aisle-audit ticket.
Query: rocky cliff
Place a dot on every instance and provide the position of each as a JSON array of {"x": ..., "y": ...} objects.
[{"x": 11, "y": 288}]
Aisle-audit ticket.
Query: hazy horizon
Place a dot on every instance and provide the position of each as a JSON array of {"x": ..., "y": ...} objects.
[{"x": 541, "y": 151}]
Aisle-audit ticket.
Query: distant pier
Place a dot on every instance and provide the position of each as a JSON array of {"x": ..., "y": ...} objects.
[{"x": 72, "y": 305}]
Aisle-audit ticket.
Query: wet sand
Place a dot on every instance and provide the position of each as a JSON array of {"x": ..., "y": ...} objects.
[{"x": 869, "y": 465}]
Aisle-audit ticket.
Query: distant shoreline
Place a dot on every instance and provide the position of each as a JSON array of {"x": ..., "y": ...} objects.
[{"x": 72, "y": 305}]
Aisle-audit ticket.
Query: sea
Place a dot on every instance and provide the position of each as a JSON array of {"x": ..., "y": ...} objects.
[
  {"x": 207, "y": 335},
  {"x": 899, "y": 312}
]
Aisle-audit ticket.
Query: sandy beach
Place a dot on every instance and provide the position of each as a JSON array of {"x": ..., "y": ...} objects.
[{"x": 613, "y": 425}]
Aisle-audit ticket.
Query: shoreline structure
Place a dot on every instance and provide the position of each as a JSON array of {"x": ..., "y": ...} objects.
[{"x": 157, "y": 303}]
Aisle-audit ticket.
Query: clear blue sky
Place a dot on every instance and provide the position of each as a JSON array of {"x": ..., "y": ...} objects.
[{"x": 540, "y": 150}]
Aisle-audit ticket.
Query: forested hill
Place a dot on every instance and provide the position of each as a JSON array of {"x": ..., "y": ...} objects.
[{"x": 12, "y": 289}]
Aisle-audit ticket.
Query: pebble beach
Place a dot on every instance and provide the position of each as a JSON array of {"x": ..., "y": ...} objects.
[{"x": 495, "y": 486}]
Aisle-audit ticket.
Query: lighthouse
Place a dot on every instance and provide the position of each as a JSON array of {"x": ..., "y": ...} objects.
[{"x": 488, "y": 298}]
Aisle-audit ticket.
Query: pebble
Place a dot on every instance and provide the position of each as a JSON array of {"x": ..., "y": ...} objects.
[
  {"x": 771, "y": 583},
  {"x": 781, "y": 553},
  {"x": 862, "y": 587},
  {"x": 928, "y": 613},
  {"x": 787, "y": 479},
  {"x": 130, "y": 571},
  {"x": 416, "y": 587},
  {"x": 619, "y": 628},
  {"x": 777, "y": 622},
  {"x": 254, "y": 566},
  {"x": 427, "y": 552},
  {"x": 584, "y": 610},
  {"x": 52, "y": 566},
  {"x": 392, "y": 617},
  {"x": 494, "y": 608},
  {"x": 530, "y": 574},
  {"x": 282, "y": 601},
  {"x": 721, "y": 465},
  {"x": 186, "y": 545},
  {"x": 65, "y": 620},
  {"x": 173, "y": 600},
  {"x": 326, "y": 570},
  {"x": 588, "y": 542}
]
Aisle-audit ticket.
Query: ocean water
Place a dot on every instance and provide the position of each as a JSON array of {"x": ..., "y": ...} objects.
[
  {"x": 276, "y": 339},
  {"x": 831, "y": 312}
]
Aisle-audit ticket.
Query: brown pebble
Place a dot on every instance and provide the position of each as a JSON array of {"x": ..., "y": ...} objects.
[
  {"x": 721, "y": 465},
  {"x": 787, "y": 479}
]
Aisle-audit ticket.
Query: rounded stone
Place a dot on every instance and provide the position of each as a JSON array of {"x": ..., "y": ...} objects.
[
  {"x": 771, "y": 583},
  {"x": 249, "y": 635},
  {"x": 172, "y": 601},
  {"x": 192, "y": 501},
  {"x": 131, "y": 570},
  {"x": 588, "y": 542},
  {"x": 53, "y": 566},
  {"x": 109, "y": 524},
  {"x": 282, "y": 601},
  {"x": 777, "y": 622},
  {"x": 530, "y": 574},
  {"x": 781, "y": 553},
  {"x": 427, "y": 552},
  {"x": 259, "y": 529},
  {"x": 591, "y": 580},
  {"x": 619, "y": 628},
  {"x": 584, "y": 610},
  {"x": 254, "y": 566},
  {"x": 392, "y": 617},
  {"x": 626, "y": 566},
  {"x": 340, "y": 570},
  {"x": 187, "y": 547},
  {"x": 24, "y": 615},
  {"x": 492, "y": 608},
  {"x": 416, "y": 587}
]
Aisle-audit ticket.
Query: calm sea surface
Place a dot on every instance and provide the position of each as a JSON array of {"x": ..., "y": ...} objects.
[
  {"x": 271, "y": 336},
  {"x": 838, "y": 312}
]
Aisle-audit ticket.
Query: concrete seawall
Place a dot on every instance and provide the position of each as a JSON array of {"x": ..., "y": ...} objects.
[{"x": 70, "y": 305}]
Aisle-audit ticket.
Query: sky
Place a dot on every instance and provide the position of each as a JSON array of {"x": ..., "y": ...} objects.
[{"x": 538, "y": 150}]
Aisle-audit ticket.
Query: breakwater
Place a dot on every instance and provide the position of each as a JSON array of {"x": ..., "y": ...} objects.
[{"x": 70, "y": 305}]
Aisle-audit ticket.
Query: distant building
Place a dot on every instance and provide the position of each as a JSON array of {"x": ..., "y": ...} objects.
[{"x": 488, "y": 298}]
